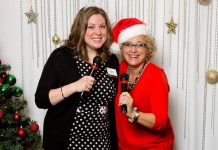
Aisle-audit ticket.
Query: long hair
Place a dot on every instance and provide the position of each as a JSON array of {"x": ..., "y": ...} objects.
[{"x": 77, "y": 34}]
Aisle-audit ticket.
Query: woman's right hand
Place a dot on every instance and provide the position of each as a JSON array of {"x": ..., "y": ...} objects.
[{"x": 85, "y": 84}]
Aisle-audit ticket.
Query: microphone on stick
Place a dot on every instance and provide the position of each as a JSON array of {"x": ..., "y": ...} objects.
[
  {"x": 94, "y": 68},
  {"x": 124, "y": 84}
]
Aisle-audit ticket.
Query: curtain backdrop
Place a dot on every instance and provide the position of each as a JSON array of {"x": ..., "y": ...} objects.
[{"x": 185, "y": 55}]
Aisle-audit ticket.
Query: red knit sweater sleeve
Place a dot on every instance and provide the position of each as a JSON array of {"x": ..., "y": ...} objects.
[{"x": 158, "y": 95}]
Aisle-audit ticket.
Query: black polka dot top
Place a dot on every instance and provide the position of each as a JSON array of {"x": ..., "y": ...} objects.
[{"x": 90, "y": 128}]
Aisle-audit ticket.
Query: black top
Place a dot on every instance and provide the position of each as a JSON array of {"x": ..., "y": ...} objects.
[
  {"x": 61, "y": 69},
  {"x": 91, "y": 128}
]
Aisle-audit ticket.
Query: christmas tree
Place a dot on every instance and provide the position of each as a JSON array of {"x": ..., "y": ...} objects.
[{"x": 17, "y": 131}]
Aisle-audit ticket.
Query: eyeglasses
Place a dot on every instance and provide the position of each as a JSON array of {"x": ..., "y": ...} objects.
[{"x": 137, "y": 45}]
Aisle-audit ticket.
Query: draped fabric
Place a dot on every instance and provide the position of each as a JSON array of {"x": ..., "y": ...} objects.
[{"x": 185, "y": 56}]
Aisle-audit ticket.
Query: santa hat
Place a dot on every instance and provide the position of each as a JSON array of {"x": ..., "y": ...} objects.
[{"x": 124, "y": 30}]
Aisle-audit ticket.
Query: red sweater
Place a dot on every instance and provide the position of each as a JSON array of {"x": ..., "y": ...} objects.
[{"x": 150, "y": 95}]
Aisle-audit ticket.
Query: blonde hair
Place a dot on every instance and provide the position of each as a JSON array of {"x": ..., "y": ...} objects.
[{"x": 151, "y": 47}]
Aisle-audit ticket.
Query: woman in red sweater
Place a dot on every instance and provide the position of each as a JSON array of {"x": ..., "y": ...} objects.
[{"x": 143, "y": 123}]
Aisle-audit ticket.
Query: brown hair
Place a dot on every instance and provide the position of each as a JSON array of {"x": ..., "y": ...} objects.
[{"x": 77, "y": 34}]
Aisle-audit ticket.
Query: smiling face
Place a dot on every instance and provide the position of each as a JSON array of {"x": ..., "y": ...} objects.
[
  {"x": 134, "y": 51},
  {"x": 96, "y": 32}
]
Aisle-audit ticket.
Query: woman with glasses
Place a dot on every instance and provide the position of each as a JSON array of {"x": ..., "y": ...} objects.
[{"x": 141, "y": 109}]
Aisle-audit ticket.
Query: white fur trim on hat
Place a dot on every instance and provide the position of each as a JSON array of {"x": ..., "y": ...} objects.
[
  {"x": 115, "y": 48},
  {"x": 132, "y": 31}
]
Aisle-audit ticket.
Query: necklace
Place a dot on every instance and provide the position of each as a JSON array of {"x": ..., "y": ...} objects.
[{"x": 131, "y": 86}]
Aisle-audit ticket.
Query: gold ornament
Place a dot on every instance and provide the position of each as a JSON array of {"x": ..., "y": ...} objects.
[
  {"x": 204, "y": 2},
  {"x": 56, "y": 39},
  {"x": 171, "y": 26},
  {"x": 31, "y": 16},
  {"x": 211, "y": 76}
]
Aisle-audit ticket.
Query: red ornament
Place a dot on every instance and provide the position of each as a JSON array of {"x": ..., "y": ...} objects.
[
  {"x": 1, "y": 114},
  {"x": 21, "y": 132},
  {"x": 1, "y": 80},
  {"x": 16, "y": 117},
  {"x": 34, "y": 127},
  {"x": 3, "y": 75}
]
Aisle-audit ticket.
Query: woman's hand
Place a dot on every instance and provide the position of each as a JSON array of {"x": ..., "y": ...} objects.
[
  {"x": 145, "y": 119},
  {"x": 126, "y": 99},
  {"x": 84, "y": 84}
]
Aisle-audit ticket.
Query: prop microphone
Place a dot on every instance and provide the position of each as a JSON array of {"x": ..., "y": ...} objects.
[
  {"x": 94, "y": 68},
  {"x": 124, "y": 84}
]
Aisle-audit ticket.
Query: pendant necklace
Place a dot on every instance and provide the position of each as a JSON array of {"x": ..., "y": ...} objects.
[{"x": 131, "y": 86}]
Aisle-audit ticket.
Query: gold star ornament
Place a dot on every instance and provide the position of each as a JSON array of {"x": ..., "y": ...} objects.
[
  {"x": 171, "y": 26},
  {"x": 31, "y": 16}
]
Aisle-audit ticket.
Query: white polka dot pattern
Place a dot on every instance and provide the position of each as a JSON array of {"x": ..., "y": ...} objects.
[{"x": 91, "y": 127}]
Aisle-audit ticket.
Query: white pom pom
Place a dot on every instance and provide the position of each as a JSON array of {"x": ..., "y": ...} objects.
[{"x": 115, "y": 48}]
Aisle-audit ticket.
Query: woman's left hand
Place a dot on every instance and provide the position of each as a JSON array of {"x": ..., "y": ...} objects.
[{"x": 126, "y": 99}]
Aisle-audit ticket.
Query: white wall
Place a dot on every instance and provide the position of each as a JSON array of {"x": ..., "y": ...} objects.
[{"x": 185, "y": 56}]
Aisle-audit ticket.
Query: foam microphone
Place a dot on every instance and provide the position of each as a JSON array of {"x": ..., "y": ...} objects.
[
  {"x": 124, "y": 88},
  {"x": 94, "y": 68}
]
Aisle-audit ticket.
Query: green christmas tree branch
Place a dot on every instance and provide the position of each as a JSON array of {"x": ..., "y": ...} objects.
[
  {"x": 17, "y": 131},
  {"x": 4, "y": 68}
]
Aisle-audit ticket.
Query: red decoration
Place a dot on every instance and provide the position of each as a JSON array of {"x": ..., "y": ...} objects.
[
  {"x": 1, "y": 114},
  {"x": 21, "y": 132},
  {"x": 34, "y": 127},
  {"x": 16, "y": 117},
  {"x": 3, "y": 75},
  {"x": 1, "y": 80}
]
